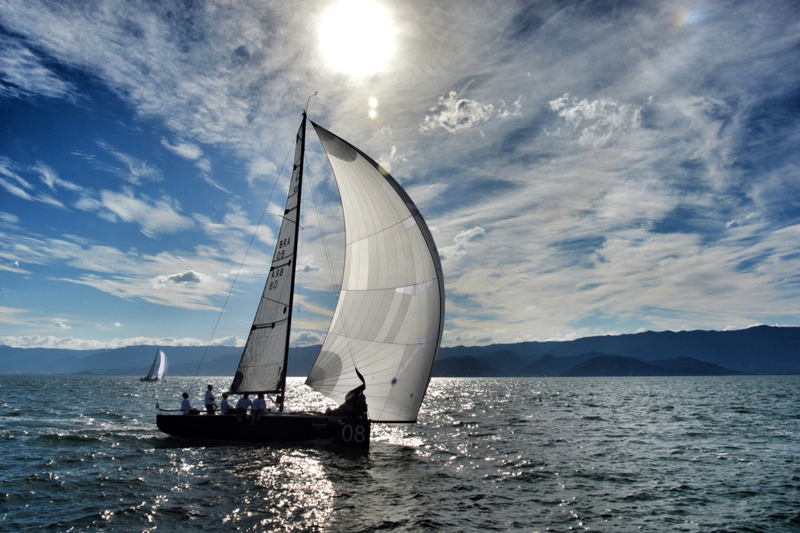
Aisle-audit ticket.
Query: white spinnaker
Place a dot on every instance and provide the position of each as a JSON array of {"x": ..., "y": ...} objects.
[
  {"x": 389, "y": 318},
  {"x": 163, "y": 365}
]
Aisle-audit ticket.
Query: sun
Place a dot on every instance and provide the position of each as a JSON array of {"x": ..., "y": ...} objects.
[{"x": 357, "y": 37}]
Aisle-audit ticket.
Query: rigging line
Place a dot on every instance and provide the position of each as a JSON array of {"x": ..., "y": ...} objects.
[{"x": 241, "y": 265}]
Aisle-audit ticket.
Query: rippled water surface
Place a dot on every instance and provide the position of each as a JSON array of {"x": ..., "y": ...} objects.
[{"x": 600, "y": 454}]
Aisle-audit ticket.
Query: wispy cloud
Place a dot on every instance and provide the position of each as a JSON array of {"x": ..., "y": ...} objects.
[
  {"x": 6, "y": 170},
  {"x": 16, "y": 185},
  {"x": 17, "y": 191},
  {"x": 8, "y": 218},
  {"x": 261, "y": 169},
  {"x": 24, "y": 74},
  {"x": 186, "y": 150},
  {"x": 597, "y": 123},
  {"x": 192, "y": 152},
  {"x": 14, "y": 317},
  {"x": 454, "y": 113},
  {"x": 136, "y": 171},
  {"x": 461, "y": 242},
  {"x": 51, "y": 179},
  {"x": 153, "y": 216}
]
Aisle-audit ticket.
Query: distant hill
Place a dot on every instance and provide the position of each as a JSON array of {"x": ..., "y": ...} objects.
[
  {"x": 504, "y": 362},
  {"x": 614, "y": 365},
  {"x": 757, "y": 350},
  {"x": 463, "y": 367},
  {"x": 688, "y": 366},
  {"x": 547, "y": 365},
  {"x": 136, "y": 360}
]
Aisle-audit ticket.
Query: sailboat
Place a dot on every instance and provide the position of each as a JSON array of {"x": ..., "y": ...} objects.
[
  {"x": 378, "y": 355},
  {"x": 159, "y": 369}
]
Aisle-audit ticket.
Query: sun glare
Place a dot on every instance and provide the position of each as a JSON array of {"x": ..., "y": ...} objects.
[{"x": 357, "y": 37}]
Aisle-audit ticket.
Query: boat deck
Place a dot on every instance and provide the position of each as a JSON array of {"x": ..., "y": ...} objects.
[{"x": 271, "y": 428}]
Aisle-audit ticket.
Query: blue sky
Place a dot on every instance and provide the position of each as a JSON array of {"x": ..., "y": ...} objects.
[{"x": 586, "y": 167}]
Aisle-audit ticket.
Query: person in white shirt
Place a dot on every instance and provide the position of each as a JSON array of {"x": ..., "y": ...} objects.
[
  {"x": 227, "y": 408},
  {"x": 259, "y": 407},
  {"x": 186, "y": 406},
  {"x": 210, "y": 405},
  {"x": 242, "y": 406}
]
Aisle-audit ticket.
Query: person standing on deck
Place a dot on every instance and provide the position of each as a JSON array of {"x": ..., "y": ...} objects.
[{"x": 210, "y": 406}]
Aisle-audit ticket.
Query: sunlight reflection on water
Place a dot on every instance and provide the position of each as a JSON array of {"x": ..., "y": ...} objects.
[{"x": 487, "y": 454}]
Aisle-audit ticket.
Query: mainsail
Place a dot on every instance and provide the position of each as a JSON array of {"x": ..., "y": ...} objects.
[
  {"x": 390, "y": 315},
  {"x": 263, "y": 364}
]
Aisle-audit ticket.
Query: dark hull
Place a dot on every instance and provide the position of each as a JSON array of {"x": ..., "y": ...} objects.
[{"x": 351, "y": 432}]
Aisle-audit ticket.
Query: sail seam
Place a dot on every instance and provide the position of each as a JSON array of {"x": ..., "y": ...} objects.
[
  {"x": 392, "y": 288},
  {"x": 382, "y": 230}
]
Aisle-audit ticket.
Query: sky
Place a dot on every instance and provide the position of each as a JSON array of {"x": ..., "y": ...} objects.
[{"x": 586, "y": 168}]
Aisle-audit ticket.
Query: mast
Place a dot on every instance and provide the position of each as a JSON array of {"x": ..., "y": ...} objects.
[{"x": 299, "y": 189}]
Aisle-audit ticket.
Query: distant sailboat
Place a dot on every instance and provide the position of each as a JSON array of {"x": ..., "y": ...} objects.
[
  {"x": 159, "y": 369},
  {"x": 382, "y": 343}
]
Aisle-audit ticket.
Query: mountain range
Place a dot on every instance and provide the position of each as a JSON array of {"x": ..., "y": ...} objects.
[{"x": 756, "y": 350}]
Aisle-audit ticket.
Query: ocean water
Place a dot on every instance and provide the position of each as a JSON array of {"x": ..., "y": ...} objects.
[{"x": 82, "y": 453}]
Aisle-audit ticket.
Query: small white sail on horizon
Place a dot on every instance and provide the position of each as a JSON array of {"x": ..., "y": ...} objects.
[{"x": 158, "y": 370}]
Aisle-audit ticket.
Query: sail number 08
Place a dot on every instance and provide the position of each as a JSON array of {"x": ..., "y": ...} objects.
[{"x": 359, "y": 434}]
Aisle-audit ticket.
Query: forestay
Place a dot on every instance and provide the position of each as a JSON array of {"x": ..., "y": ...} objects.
[
  {"x": 389, "y": 318},
  {"x": 263, "y": 364}
]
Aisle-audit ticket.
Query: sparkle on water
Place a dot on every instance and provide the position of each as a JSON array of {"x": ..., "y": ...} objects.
[{"x": 82, "y": 453}]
